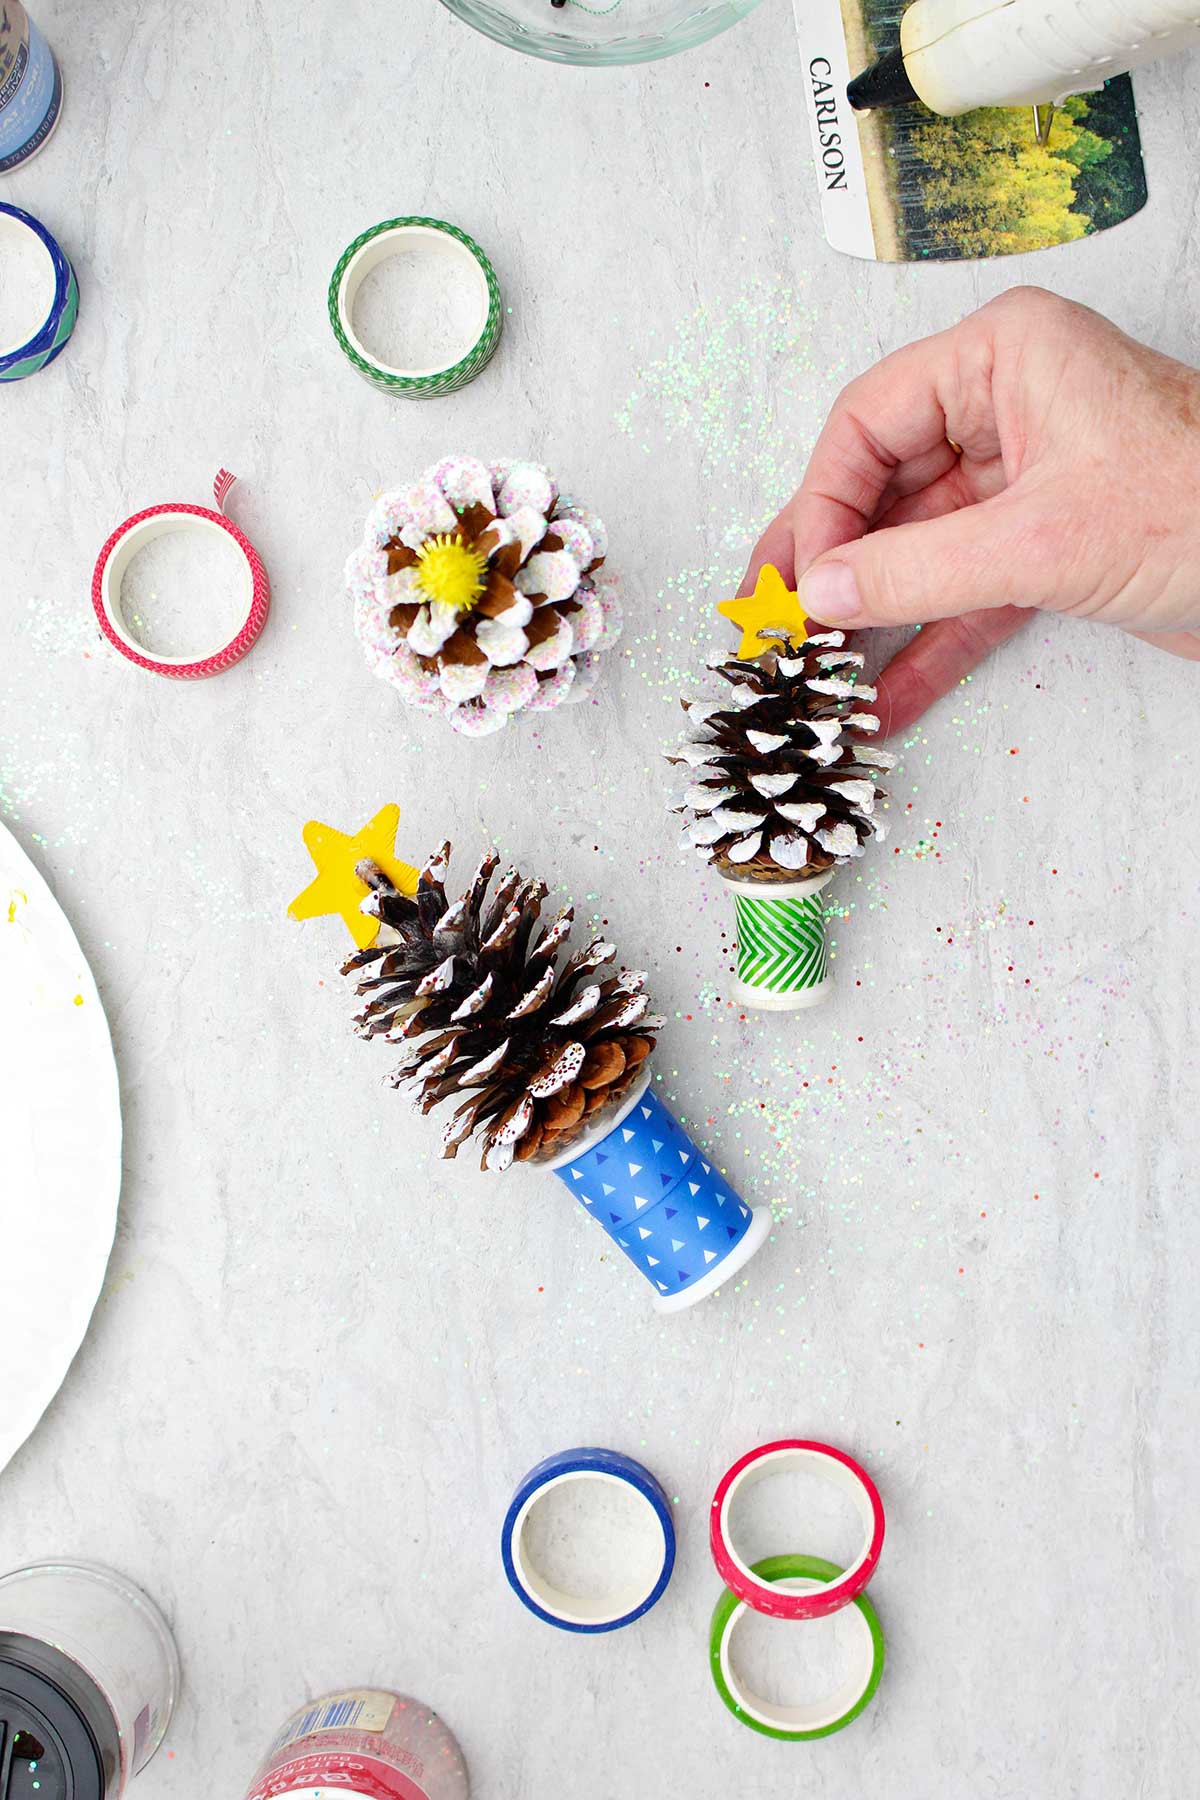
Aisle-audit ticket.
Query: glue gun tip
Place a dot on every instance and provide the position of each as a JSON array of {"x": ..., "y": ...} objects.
[{"x": 884, "y": 83}]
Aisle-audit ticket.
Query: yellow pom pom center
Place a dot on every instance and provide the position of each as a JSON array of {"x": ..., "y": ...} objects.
[{"x": 451, "y": 571}]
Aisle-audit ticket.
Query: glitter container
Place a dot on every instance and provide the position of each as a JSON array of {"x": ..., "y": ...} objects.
[
  {"x": 89, "y": 1675},
  {"x": 362, "y": 1744},
  {"x": 30, "y": 88}
]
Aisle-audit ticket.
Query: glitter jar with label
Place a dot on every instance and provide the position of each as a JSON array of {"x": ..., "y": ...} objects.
[
  {"x": 30, "y": 87},
  {"x": 89, "y": 1675},
  {"x": 362, "y": 1744}
]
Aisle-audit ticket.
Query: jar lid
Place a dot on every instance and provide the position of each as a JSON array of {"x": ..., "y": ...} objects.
[{"x": 47, "y": 1748}]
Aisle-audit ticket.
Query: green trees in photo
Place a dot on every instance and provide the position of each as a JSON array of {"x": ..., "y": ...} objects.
[
  {"x": 987, "y": 188},
  {"x": 1111, "y": 182}
]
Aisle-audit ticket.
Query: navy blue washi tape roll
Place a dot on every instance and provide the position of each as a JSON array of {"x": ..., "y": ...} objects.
[
  {"x": 34, "y": 336},
  {"x": 630, "y": 1595}
]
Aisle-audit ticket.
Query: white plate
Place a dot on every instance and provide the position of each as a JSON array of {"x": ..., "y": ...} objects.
[{"x": 60, "y": 1146}]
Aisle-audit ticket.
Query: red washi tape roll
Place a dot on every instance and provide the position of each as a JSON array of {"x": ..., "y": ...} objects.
[
  {"x": 831, "y": 1465},
  {"x": 138, "y": 531}
]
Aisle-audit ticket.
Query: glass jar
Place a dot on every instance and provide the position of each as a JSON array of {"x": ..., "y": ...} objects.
[
  {"x": 89, "y": 1676},
  {"x": 601, "y": 33}
]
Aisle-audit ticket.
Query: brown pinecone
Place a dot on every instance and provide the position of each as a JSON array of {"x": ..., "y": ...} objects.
[
  {"x": 784, "y": 787},
  {"x": 485, "y": 1013}
]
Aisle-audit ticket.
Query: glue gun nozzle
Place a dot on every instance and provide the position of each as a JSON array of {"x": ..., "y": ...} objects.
[{"x": 885, "y": 83}]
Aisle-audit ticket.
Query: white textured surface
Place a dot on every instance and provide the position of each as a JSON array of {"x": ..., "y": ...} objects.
[{"x": 323, "y": 1360}]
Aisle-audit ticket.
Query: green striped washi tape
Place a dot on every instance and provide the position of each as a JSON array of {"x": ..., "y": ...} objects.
[
  {"x": 816, "y": 1719},
  {"x": 783, "y": 957},
  {"x": 400, "y": 237}
]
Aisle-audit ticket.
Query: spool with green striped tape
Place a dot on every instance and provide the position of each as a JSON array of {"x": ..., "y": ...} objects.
[
  {"x": 465, "y": 262},
  {"x": 782, "y": 950}
]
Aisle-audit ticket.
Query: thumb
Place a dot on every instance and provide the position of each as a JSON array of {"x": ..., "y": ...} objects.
[{"x": 993, "y": 553}]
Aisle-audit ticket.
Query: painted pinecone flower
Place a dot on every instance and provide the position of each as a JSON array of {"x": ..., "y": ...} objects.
[
  {"x": 478, "y": 593},
  {"x": 532, "y": 1052},
  {"x": 783, "y": 784}
]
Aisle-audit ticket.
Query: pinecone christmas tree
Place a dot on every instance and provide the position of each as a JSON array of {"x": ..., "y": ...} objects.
[
  {"x": 478, "y": 593},
  {"x": 784, "y": 784},
  {"x": 533, "y": 1053}
]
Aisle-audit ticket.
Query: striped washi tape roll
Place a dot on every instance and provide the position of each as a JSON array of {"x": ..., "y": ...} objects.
[
  {"x": 629, "y": 1596},
  {"x": 782, "y": 953},
  {"x": 44, "y": 318},
  {"x": 141, "y": 529},
  {"x": 463, "y": 260},
  {"x": 796, "y": 1724}
]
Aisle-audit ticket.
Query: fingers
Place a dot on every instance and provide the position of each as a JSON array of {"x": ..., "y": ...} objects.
[
  {"x": 936, "y": 660},
  {"x": 1002, "y": 552},
  {"x": 1175, "y": 643},
  {"x": 937, "y": 471},
  {"x": 824, "y": 515},
  {"x": 963, "y": 484},
  {"x": 896, "y": 417},
  {"x": 774, "y": 546},
  {"x": 886, "y": 438},
  {"x": 933, "y": 483},
  {"x": 891, "y": 527}
]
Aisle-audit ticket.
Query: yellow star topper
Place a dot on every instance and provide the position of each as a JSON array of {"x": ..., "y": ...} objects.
[
  {"x": 336, "y": 888},
  {"x": 772, "y": 605}
]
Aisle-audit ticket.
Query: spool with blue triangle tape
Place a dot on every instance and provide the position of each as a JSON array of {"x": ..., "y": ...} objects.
[
  {"x": 662, "y": 1202},
  {"x": 625, "y": 1601}
]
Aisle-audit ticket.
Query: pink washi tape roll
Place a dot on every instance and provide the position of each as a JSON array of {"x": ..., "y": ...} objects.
[
  {"x": 138, "y": 531},
  {"x": 832, "y": 1465}
]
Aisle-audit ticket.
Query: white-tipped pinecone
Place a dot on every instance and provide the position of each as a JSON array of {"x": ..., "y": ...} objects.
[
  {"x": 478, "y": 593},
  {"x": 783, "y": 782},
  {"x": 533, "y": 1050}
]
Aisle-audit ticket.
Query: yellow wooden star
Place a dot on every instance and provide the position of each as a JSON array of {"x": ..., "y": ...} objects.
[
  {"x": 771, "y": 604},
  {"x": 337, "y": 889}
]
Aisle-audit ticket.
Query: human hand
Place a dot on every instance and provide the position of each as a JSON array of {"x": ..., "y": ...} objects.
[{"x": 1031, "y": 457}]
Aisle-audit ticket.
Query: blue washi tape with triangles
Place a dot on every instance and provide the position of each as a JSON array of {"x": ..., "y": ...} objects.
[{"x": 658, "y": 1197}]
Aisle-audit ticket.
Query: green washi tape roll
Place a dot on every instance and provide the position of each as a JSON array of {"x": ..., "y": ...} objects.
[
  {"x": 817, "y": 1719},
  {"x": 466, "y": 261},
  {"x": 782, "y": 953}
]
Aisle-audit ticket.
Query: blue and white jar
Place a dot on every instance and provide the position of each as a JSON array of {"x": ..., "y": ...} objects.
[{"x": 30, "y": 88}]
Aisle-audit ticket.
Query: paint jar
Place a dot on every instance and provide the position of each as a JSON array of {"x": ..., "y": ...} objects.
[
  {"x": 30, "y": 87},
  {"x": 89, "y": 1675},
  {"x": 362, "y": 1744}
]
